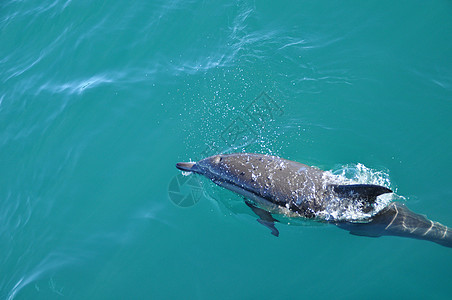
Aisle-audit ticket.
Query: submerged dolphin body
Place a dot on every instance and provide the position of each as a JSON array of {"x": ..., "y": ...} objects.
[{"x": 272, "y": 185}]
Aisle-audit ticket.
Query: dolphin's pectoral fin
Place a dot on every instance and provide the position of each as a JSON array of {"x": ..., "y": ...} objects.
[
  {"x": 269, "y": 225},
  {"x": 265, "y": 218},
  {"x": 368, "y": 192},
  {"x": 262, "y": 213}
]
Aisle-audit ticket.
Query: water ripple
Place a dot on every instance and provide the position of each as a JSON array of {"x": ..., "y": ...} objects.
[
  {"x": 78, "y": 86},
  {"x": 434, "y": 75},
  {"x": 51, "y": 262},
  {"x": 23, "y": 65}
]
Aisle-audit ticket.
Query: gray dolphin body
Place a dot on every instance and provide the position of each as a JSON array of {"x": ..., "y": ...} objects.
[{"x": 273, "y": 185}]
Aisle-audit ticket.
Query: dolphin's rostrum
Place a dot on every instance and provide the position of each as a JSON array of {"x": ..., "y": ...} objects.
[{"x": 273, "y": 185}]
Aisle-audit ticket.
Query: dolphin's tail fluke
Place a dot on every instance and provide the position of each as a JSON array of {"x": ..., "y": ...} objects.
[{"x": 398, "y": 220}]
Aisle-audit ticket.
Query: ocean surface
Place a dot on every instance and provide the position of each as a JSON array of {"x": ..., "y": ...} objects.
[{"x": 100, "y": 99}]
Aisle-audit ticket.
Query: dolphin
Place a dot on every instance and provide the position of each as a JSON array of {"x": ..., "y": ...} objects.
[{"x": 275, "y": 186}]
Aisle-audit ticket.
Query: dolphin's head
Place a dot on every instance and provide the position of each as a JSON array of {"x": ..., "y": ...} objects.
[
  {"x": 243, "y": 170},
  {"x": 212, "y": 167}
]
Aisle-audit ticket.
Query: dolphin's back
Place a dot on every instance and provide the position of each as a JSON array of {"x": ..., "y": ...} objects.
[
  {"x": 297, "y": 188},
  {"x": 281, "y": 181}
]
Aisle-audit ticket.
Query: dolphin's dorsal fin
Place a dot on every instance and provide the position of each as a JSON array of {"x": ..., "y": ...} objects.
[{"x": 368, "y": 192}]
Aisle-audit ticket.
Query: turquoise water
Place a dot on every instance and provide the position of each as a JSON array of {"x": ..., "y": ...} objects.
[{"x": 99, "y": 100}]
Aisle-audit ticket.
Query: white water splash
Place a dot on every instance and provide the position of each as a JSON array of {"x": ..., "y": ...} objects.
[{"x": 356, "y": 174}]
